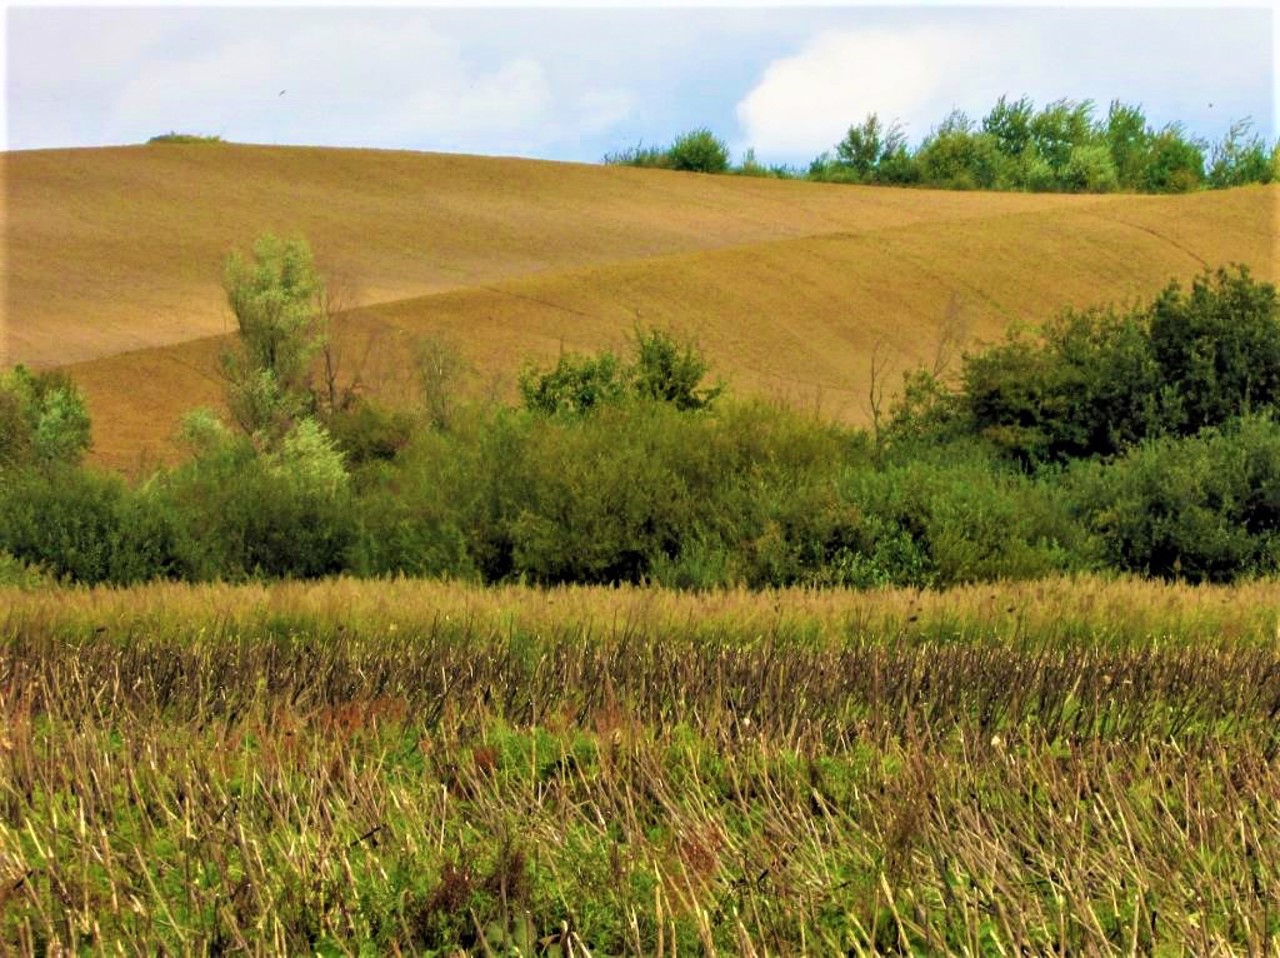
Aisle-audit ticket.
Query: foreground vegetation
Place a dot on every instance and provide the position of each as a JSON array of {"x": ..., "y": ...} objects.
[
  {"x": 1064, "y": 146},
  {"x": 1071, "y": 767}
]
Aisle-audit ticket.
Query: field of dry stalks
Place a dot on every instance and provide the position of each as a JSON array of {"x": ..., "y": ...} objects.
[{"x": 1071, "y": 767}]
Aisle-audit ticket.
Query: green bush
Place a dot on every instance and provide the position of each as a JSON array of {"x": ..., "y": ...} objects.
[
  {"x": 1218, "y": 347},
  {"x": 662, "y": 370},
  {"x": 43, "y": 419},
  {"x": 172, "y": 137},
  {"x": 1204, "y": 508},
  {"x": 1098, "y": 381},
  {"x": 699, "y": 151},
  {"x": 88, "y": 528},
  {"x": 648, "y": 157}
]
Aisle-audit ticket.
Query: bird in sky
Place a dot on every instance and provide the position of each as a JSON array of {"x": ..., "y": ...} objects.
[{"x": 282, "y": 93}]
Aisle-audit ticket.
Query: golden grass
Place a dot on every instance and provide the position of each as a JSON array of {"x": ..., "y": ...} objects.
[
  {"x": 1118, "y": 610},
  {"x": 113, "y": 259}
]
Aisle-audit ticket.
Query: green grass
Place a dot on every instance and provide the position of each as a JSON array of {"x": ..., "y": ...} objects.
[{"x": 348, "y": 768}]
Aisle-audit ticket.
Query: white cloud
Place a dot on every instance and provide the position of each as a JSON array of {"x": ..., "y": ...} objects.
[
  {"x": 804, "y": 103},
  {"x": 349, "y": 79},
  {"x": 1173, "y": 62}
]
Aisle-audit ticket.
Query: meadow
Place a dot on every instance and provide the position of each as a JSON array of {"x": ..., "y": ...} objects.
[{"x": 1070, "y": 766}]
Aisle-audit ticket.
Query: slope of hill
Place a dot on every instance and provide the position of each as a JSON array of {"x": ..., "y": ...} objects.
[{"x": 114, "y": 258}]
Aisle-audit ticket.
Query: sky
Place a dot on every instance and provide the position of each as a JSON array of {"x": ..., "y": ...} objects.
[{"x": 576, "y": 82}]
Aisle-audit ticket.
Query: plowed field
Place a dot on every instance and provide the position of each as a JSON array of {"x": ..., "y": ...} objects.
[{"x": 113, "y": 259}]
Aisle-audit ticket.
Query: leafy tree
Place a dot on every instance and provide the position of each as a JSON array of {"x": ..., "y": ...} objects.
[
  {"x": 1128, "y": 137},
  {"x": 869, "y": 146},
  {"x": 956, "y": 157},
  {"x": 577, "y": 384},
  {"x": 666, "y": 372},
  {"x": 43, "y": 419},
  {"x": 1218, "y": 347},
  {"x": 1059, "y": 128},
  {"x": 1174, "y": 163},
  {"x": 1241, "y": 157},
  {"x": 662, "y": 371},
  {"x": 275, "y": 298},
  {"x": 1010, "y": 125},
  {"x": 1090, "y": 169}
]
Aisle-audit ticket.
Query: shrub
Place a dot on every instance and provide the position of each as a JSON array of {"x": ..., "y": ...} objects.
[
  {"x": 699, "y": 151},
  {"x": 1173, "y": 164},
  {"x": 662, "y": 370},
  {"x": 43, "y": 419},
  {"x": 1090, "y": 169},
  {"x": 243, "y": 517},
  {"x": 1241, "y": 157},
  {"x": 1098, "y": 381},
  {"x": 1202, "y": 508},
  {"x": 576, "y": 385},
  {"x": 87, "y": 528},
  {"x": 650, "y": 157},
  {"x": 172, "y": 137},
  {"x": 1218, "y": 347}
]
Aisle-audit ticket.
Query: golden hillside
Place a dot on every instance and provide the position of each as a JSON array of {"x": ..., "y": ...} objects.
[{"x": 114, "y": 257}]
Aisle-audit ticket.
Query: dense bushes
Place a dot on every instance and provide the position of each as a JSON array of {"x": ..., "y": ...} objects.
[
  {"x": 1206, "y": 508},
  {"x": 1096, "y": 382},
  {"x": 1142, "y": 441}
]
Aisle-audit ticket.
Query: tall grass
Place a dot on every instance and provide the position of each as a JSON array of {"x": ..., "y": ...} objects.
[{"x": 1069, "y": 767}]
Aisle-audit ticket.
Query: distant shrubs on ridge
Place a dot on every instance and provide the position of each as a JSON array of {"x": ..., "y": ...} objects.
[{"x": 1064, "y": 146}]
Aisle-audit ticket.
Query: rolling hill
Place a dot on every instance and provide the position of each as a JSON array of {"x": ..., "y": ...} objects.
[{"x": 114, "y": 257}]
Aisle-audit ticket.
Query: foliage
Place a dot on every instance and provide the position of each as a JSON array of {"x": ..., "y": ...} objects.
[
  {"x": 1240, "y": 157},
  {"x": 872, "y": 152},
  {"x": 1063, "y": 146},
  {"x": 88, "y": 528},
  {"x": 275, "y": 298},
  {"x": 1097, "y": 382},
  {"x": 661, "y": 370},
  {"x": 1174, "y": 164},
  {"x": 699, "y": 151},
  {"x": 172, "y": 137},
  {"x": 1205, "y": 508},
  {"x": 43, "y": 419},
  {"x": 1218, "y": 347},
  {"x": 696, "y": 151}
]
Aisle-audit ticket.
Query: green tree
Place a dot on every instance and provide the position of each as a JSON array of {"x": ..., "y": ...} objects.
[
  {"x": 1128, "y": 137},
  {"x": 276, "y": 299},
  {"x": 1059, "y": 128},
  {"x": 665, "y": 371},
  {"x": 1240, "y": 157},
  {"x": 1218, "y": 347},
  {"x": 869, "y": 146},
  {"x": 956, "y": 156},
  {"x": 1174, "y": 164},
  {"x": 43, "y": 419},
  {"x": 1010, "y": 125}
]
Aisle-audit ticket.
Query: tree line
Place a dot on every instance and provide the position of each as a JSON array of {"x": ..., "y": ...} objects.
[{"x": 1066, "y": 146}]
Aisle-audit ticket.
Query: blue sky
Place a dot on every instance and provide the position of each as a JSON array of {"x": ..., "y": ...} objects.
[{"x": 572, "y": 83}]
